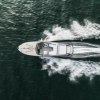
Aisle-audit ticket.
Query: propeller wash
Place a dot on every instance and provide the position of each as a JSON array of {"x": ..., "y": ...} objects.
[{"x": 76, "y": 68}]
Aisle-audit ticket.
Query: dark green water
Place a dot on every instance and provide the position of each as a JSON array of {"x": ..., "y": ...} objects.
[{"x": 21, "y": 77}]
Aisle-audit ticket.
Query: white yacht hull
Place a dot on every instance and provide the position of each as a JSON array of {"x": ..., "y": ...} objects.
[{"x": 61, "y": 49}]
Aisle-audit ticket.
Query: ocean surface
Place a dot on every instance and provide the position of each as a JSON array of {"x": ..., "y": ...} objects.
[{"x": 25, "y": 77}]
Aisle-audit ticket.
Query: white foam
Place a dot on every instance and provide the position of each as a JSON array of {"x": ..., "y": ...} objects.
[
  {"x": 76, "y": 31},
  {"x": 76, "y": 68}
]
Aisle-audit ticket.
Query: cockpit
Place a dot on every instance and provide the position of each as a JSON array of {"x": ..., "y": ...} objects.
[
  {"x": 53, "y": 49},
  {"x": 45, "y": 48}
]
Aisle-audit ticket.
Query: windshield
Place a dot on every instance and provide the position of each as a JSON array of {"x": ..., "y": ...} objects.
[{"x": 43, "y": 48}]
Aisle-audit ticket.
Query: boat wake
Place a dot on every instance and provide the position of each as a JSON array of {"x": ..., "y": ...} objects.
[
  {"x": 76, "y": 32},
  {"x": 76, "y": 69}
]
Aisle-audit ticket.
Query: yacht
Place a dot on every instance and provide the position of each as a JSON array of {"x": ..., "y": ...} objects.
[{"x": 60, "y": 49}]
